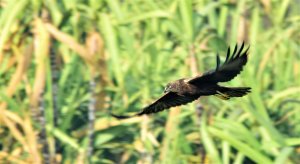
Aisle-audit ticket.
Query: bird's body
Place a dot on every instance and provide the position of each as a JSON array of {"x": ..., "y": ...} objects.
[
  {"x": 182, "y": 87},
  {"x": 186, "y": 90}
]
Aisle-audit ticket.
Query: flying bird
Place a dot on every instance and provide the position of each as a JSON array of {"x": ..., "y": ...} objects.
[{"x": 186, "y": 90}]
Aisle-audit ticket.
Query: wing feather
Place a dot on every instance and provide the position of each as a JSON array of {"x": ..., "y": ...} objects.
[
  {"x": 218, "y": 62},
  {"x": 232, "y": 66},
  {"x": 166, "y": 101},
  {"x": 228, "y": 54}
]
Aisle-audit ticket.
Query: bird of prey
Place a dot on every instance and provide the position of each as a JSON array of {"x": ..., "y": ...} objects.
[{"x": 186, "y": 90}]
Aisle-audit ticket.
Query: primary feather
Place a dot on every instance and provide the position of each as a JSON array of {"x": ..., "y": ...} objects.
[
  {"x": 166, "y": 101},
  {"x": 232, "y": 66}
]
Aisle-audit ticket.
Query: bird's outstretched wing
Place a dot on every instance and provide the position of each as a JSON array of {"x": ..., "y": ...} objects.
[
  {"x": 232, "y": 66},
  {"x": 168, "y": 100}
]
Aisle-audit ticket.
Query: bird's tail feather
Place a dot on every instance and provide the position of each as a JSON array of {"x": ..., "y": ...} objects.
[{"x": 226, "y": 93}]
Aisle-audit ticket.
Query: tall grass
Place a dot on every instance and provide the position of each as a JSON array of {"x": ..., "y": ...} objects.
[{"x": 117, "y": 56}]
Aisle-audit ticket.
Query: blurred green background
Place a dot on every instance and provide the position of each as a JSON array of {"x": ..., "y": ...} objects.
[{"x": 65, "y": 64}]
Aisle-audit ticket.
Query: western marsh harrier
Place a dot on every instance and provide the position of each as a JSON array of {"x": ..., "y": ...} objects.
[{"x": 186, "y": 90}]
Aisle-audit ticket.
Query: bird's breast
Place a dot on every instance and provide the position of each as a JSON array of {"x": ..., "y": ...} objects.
[
  {"x": 187, "y": 89},
  {"x": 191, "y": 89}
]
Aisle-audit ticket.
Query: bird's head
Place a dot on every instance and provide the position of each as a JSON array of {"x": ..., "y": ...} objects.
[{"x": 170, "y": 87}]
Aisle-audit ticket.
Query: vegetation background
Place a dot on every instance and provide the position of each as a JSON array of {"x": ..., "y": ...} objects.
[{"x": 64, "y": 65}]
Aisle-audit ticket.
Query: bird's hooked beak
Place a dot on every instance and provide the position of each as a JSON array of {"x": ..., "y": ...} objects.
[{"x": 166, "y": 89}]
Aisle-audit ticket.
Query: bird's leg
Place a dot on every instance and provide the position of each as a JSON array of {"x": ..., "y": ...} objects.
[{"x": 222, "y": 95}]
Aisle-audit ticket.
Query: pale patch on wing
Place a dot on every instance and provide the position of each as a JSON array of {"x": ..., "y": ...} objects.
[{"x": 187, "y": 79}]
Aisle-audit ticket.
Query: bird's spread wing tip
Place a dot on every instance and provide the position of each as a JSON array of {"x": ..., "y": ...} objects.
[{"x": 120, "y": 117}]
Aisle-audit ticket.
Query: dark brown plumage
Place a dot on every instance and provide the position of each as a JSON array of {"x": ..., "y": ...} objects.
[{"x": 186, "y": 90}]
